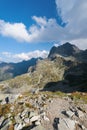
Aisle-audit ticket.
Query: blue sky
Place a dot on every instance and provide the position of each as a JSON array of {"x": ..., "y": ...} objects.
[
  {"x": 23, "y": 10},
  {"x": 29, "y": 28}
]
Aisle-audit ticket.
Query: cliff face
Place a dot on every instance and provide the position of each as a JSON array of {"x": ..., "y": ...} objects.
[
  {"x": 66, "y": 50},
  {"x": 51, "y": 95},
  {"x": 65, "y": 69}
]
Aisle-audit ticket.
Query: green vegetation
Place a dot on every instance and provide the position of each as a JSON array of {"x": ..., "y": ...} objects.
[
  {"x": 60, "y": 94},
  {"x": 19, "y": 81},
  {"x": 78, "y": 96}
]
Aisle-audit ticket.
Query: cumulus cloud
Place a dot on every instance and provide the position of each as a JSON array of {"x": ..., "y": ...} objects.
[
  {"x": 40, "y": 21},
  {"x": 23, "y": 56},
  {"x": 38, "y": 32},
  {"x": 72, "y": 12},
  {"x": 81, "y": 43},
  {"x": 43, "y": 30},
  {"x": 15, "y": 30},
  {"x": 29, "y": 55}
]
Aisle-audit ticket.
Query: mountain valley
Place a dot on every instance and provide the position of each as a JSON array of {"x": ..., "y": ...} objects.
[{"x": 50, "y": 94}]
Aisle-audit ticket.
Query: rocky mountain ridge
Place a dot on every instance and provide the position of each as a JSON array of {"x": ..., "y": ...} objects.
[
  {"x": 69, "y": 50},
  {"x": 51, "y": 96},
  {"x": 56, "y": 73}
]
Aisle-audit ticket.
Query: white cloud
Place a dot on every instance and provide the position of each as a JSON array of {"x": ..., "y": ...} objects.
[
  {"x": 40, "y": 21},
  {"x": 0, "y": 59},
  {"x": 72, "y": 12},
  {"x": 56, "y": 44},
  {"x": 9, "y": 57},
  {"x": 35, "y": 33},
  {"x": 81, "y": 43},
  {"x": 29, "y": 55},
  {"x": 15, "y": 30},
  {"x": 43, "y": 30},
  {"x": 6, "y": 54}
]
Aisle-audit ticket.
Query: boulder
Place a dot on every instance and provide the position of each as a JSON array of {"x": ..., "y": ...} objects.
[
  {"x": 70, "y": 113},
  {"x": 37, "y": 123},
  {"x": 66, "y": 124},
  {"x": 1, "y": 119},
  {"x": 80, "y": 114},
  {"x": 18, "y": 119},
  {"x": 19, "y": 126},
  {"x": 5, "y": 124},
  {"x": 26, "y": 120},
  {"x": 25, "y": 113},
  {"x": 34, "y": 118},
  {"x": 46, "y": 118},
  {"x": 32, "y": 113}
]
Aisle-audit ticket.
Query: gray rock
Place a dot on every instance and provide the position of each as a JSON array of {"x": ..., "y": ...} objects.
[
  {"x": 5, "y": 127},
  {"x": 1, "y": 120},
  {"x": 9, "y": 115},
  {"x": 25, "y": 113},
  {"x": 34, "y": 90},
  {"x": 66, "y": 124},
  {"x": 37, "y": 123},
  {"x": 18, "y": 119},
  {"x": 43, "y": 114},
  {"x": 34, "y": 118},
  {"x": 19, "y": 126},
  {"x": 32, "y": 114},
  {"x": 26, "y": 120},
  {"x": 80, "y": 114},
  {"x": 38, "y": 128},
  {"x": 70, "y": 113},
  {"x": 12, "y": 108},
  {"x": 5, "y": 124},
  {"x": 84, "y": 128},
  {"x": 46, "y": 118}
]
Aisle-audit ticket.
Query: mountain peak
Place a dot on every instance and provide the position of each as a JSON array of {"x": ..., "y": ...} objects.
[
  {"x": 67, "y": 44},
  {"x": 67, "y": 49}
]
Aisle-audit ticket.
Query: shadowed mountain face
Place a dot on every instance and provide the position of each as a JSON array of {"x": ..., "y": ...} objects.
[
  {"x": 82, "y": 56},
  {"x": 75, "y": 72},
  {"x": 66, "y": 49},
  {"x": 10, "y": 70},
  {"x": 56, "y": 73}
]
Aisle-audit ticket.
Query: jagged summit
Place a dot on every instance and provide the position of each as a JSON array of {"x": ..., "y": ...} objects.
[{"x": 66, "y": 49}]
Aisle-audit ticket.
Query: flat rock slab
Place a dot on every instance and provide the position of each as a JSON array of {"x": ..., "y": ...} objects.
[
  {"x": 66, "y": 124},
  {"x": 38, "y": 128}
]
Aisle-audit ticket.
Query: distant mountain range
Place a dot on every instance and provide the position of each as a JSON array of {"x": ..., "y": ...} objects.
[
  {"x": 10, "y": 70},
  {"x": 65, "y": 70}
]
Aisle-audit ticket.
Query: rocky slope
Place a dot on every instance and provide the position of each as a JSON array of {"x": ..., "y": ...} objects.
[
  {"x": 10, "y": 70},
  {"x": 56, "y": 73},
  {"x": 43, "y": 111},
  {"x": 51, "y": 96},
  {"x": 44, "y": 72}
]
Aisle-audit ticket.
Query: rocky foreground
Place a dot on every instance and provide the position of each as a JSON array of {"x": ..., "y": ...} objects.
[{"x": 43, "y": 111}]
